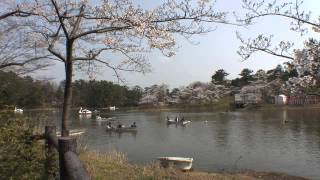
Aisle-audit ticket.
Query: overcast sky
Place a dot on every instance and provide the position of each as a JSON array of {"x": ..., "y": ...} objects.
[{"x": 216, "y": 50}]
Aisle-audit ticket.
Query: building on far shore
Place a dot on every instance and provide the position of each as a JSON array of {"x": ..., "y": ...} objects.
[
  {"x": 248, "y": 95},
  {"x": 304, "y": 99},
  {"x": 281, "y": 99}
]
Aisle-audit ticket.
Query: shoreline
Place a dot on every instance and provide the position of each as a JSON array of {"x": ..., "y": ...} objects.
[{"x": 115, "y": 165}]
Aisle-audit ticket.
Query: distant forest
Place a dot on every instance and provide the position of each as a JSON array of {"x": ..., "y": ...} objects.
[{"x": 30, "y": 93}]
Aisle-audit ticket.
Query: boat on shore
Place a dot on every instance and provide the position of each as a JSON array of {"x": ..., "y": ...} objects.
[
  {"x": 182, "y": 163},
  {"x": 73, "y": 132}
]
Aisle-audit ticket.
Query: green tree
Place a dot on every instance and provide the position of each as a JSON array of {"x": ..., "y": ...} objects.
[
  {"x": 246, "y": 76},
  {"x": 219, "y": 77}
]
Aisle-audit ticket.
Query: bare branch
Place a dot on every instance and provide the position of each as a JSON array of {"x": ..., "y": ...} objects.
[{"x": 263, "y": 43}]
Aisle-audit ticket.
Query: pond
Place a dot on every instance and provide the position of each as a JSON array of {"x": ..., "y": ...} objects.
[{"x": 283, "y": 140}]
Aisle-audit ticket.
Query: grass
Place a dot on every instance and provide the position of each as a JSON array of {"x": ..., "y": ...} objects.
[{"x": 115, "y": 166}]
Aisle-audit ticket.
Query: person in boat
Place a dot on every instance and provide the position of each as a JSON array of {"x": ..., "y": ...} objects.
[
  {"x": 134, "y": 125},
  {"x": 182, "y": 119},
  {"x": 119, "y": 125},
  {"x": 109, "y": 125},
  {"x": 168, "y": 118}
]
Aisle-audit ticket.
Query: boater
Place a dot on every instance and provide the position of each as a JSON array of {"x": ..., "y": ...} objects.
[
  {"x": 134, "y": 125},
  {"x": 109, "y": 125}
]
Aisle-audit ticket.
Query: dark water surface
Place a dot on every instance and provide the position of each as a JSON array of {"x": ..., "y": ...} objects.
[{"x": 276, "y": 140}]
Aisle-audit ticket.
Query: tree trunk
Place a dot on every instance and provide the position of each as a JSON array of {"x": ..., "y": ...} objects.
[{"x": 67, "y": 89}]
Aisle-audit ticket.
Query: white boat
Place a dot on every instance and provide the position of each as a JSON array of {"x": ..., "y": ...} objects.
[
  {"x": 185, "y": 122},
  {"x": 73, "y": 132},
  {"x": 112, "y": 108},
  {"x": 172, "y": 121},
  {"x": 182, "y": 122},
  {"x": 180, "y": 162},
  {"x": 17, "y": 110},
  {"x": 84, "y": 111},
  {"x": 99, "y": 118}
]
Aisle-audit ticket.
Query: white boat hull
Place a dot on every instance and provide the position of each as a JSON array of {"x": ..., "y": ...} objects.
[
  {"x": 185, "y": 122},
  {"x": 74, "y": 132},
  {"x": 180, "y": 162}
]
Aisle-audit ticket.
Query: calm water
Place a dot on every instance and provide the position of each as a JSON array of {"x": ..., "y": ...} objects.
[{"x": 256, "y": 140}]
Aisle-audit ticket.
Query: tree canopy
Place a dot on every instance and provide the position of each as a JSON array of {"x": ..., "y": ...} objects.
[{"x": 219, "y": 76}]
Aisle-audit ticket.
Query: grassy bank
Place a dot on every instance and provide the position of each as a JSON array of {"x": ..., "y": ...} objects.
[{"x": 115, "y": 166}]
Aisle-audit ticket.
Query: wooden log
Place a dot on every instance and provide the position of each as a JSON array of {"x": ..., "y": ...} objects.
[
  {"x": 51, "y": 154},
  {"x": 65, "y": 144},
  {"x": 74, "y": 167}
]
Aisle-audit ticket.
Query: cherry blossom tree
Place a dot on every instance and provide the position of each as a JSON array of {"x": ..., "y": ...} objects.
[
  {"x": 305, "y": 61},
  {"x": 301, "y": 21},
  {"x": 19, "y": 52},
  {"x": 117, "y": 34}
]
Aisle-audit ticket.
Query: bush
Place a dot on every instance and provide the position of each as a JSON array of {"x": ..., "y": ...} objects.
[{"x": 20, "y": 156}]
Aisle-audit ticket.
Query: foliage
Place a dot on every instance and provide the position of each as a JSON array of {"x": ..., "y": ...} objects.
[
  {"x": 20, "y": 156},
  {"x": 219, "y": 77},
  {"x": 104, "y": 93},
  {"x": 245, "y": 79},
  {"x": 28, "y": 93},
  {"x": 25, "y": 91}
]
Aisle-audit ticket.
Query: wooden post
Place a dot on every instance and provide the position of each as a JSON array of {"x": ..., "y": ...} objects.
[
  {"x": 65, "y": 144},
  {"x": 50, "y": 164}
]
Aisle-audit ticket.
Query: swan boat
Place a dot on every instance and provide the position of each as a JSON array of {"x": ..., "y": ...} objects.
[
  {"x": 180, "y": 162},
  {"x": 84, "y": 111},
  {"x": 18, "y": 110}
]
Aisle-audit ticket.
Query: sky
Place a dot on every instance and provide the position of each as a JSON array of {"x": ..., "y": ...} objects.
[{"x": 213, "y": 51}]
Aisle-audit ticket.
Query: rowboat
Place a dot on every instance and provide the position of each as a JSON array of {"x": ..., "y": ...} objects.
[
  {"x": 99, "y": 118},
  {"x": 73, "y": 132},
  {"x": 123, "y": 129},
  {"x": 185, "y": 122},
  {"x": 180, "y": 162},
  {"x": 171, "y": 121}
]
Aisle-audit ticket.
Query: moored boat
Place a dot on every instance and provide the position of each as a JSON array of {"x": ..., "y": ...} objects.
[
  {"x": 73, "y": 132},
  {"x": 180, "y": 162}
]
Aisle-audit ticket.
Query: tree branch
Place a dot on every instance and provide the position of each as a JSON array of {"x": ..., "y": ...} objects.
[{"x": 60, "y": 19}]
